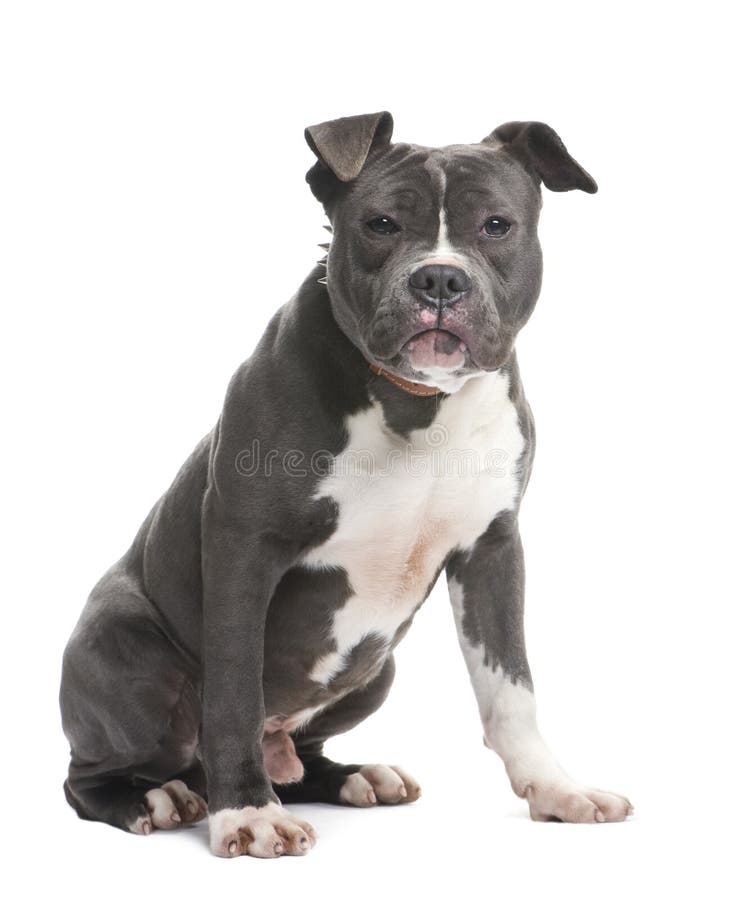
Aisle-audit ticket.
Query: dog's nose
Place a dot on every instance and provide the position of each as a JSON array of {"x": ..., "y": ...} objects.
[{"x": 439, "y": 285}]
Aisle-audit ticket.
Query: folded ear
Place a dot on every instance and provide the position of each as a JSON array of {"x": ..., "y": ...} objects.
[
  {"x": 539, "y": 149},
  {"x": 342, "y": 147}
]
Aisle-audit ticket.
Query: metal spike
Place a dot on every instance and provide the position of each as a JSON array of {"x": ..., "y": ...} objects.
[
  {"x": 322, "y": 262},
  {"x": 328, "y": 228},
  {"x": 321, "y": 281},
  {"x": 324, "y": 246}
]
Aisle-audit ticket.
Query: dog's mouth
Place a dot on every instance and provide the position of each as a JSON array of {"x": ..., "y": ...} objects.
[{"x": 435, "y": 348}]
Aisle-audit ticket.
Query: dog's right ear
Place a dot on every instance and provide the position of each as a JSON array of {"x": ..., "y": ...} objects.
[{"x": 342, "y": 147}]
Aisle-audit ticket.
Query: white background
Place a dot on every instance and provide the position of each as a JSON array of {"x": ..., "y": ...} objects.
[{"x": 154, "y": 214}]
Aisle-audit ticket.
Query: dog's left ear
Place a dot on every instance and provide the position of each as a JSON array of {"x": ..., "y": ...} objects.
[
  {"x": 342, "y": 147},
  {"x": 539, "y": 149}
]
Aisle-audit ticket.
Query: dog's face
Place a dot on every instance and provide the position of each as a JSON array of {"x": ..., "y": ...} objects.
[{"x": 435, "y": 263}]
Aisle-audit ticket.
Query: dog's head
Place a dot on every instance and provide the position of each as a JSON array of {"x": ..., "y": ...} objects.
[{"x": 434, "y": 263}]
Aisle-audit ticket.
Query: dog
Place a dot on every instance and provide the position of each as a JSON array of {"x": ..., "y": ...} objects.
[{"x": 378, "y": 435}]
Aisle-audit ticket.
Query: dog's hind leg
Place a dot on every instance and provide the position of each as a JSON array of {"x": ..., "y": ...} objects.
[
  {"x": 131, "y": 713},
  {"x": 116, "y": 801},
  {"x": 325, "y": 781}
]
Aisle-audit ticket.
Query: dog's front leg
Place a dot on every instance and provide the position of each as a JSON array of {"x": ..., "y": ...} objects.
[
  {"x": 240, "y": 570},
  {"x": 487, "y": 593}
]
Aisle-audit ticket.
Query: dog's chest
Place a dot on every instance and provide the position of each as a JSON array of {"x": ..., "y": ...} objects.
[{"x": 405, "y": 504}]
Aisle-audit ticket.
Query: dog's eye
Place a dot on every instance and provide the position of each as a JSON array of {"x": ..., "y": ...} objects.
[
  {"x": 496, "y": 226},
  {"x": 383, "y": 225}
]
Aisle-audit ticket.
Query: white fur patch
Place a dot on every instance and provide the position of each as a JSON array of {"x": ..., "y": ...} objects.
[
  {"x": 292, "y": 722},
  {"x": 405, "y": 504},
  {"x": 446, "y": 379},
  {"x": 509, "y": 717},
  {"x": 508, "y": 712},
  {"x": 168, "y": 806},
  {"x": 443, "y": 252},
  {"x": 443, "y": 247},
  {"x": 379, "y": 784},
  {"x": 266, "y": 831}
]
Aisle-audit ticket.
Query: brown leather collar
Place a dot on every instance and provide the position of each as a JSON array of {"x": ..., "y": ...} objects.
[{"x": 410, "y": 387}]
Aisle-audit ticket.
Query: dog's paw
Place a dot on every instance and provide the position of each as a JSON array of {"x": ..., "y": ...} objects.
[
  {"x": 568, "y": 802},
  {"x": 266, "y": 832},
  {"x": 169, "y": 806},
  {"x": 379, "y": 784}
]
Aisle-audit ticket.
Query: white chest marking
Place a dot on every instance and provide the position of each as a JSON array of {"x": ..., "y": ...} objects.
[{"x": 405, "y": 504}]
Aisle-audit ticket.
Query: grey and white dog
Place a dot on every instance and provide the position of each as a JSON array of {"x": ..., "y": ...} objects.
[{"x": 377, "y": 436}]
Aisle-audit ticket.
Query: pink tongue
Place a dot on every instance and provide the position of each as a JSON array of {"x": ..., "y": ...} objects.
[{"x": 435, "y": 348}]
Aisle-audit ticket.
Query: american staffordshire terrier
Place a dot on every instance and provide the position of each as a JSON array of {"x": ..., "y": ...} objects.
[{"x": 377, "y": 436}]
